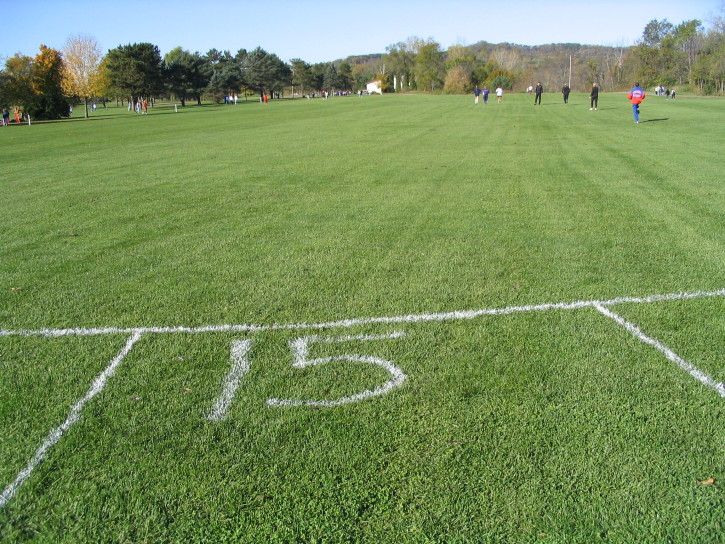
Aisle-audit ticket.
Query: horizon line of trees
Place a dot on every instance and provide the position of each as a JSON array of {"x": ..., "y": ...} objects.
[{"x": 44, "y": 86}]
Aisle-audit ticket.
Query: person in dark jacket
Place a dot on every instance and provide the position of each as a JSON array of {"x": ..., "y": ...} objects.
[
  {"x": 594, "y": 97},
  {"x": 538, "y": 91},
  {"x": 565, "y": 90}
]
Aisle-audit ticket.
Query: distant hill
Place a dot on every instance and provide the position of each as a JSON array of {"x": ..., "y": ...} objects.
[{"x": 548, "y": 63}]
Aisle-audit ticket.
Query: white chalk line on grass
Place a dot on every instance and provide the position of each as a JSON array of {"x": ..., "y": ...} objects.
[
  {"x": 75, "y": 413},
  {"x": 397, "y": 376},
  {"x": 412, "y": 318},
  {"x": 688, "y": 367},
  {"x": 300, "y": 346},
  {"x": 300, "y": 354},
  {"x": 240, "y": 367}
]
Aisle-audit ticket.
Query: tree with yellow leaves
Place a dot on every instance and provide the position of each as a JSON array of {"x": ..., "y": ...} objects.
[
  {"x": 47, "y": 100},
  {"x": 83, "y": 76}
]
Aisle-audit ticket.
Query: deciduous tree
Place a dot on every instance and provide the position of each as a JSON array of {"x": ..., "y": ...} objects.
[
  {"x": 17, "y": 81},
  {"x": 400, "y": 60},
  {"x": 429, "y": 67},
  {"x": 47, "y": 100},
  {"x": 82, "y": 73},
  {"x": 458, "y": 81}
]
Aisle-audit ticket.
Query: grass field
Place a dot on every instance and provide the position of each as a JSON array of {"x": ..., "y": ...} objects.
[{"x": 401, "y": 319}]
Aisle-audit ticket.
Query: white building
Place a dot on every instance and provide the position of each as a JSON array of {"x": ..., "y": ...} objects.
[{"x": 374, "y": 87}]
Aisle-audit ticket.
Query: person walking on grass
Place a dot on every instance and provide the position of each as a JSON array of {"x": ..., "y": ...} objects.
[
  {"x": 636, "y": 95},
  {"x": 538, "y": 91},
  {"x": 594, "y": 97},
  {"x": 565, "y": 90},
  {"x": 499, "y": 94}
]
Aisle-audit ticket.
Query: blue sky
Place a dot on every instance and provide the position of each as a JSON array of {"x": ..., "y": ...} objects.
[{"x": 325, "y": 30}]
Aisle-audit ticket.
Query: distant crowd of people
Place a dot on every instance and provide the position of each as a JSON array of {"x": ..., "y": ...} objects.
[
  {"x": 6, "y": 120},
  {"x": 661, "y": 90},
  {"x": 139, "y": 105},
  {"x": 636, "y": 95}
]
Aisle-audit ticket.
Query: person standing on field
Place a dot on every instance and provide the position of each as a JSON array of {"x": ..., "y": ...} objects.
[
  {"x": 594, "y": 97},
  {"x": 636, "y": 95},
  {"x": 499, "y": 94},
  {"x": 538, "y": 91},
  {"x": 565, "y": 90},
  {"x": 476, "y": 93},
  {"x": 485, "y": 95}
]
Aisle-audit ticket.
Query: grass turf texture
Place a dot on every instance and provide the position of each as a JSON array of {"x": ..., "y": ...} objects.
[{"x": 554, "y": 426}]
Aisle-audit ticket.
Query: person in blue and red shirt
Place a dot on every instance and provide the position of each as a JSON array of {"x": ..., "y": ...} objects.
[{"x": 636, "y": 95}]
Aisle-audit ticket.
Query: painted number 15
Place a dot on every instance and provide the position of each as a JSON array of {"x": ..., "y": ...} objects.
[{"x": 240, "y": 365}]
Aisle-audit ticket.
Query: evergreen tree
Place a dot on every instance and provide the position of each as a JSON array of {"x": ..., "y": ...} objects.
[
  {"x": 186, "y": 76},
  {"x": 344, "y": 75},
  {"x": 265, "y": 72},
  {"x": 301, "y": 75},
  {"x": 136, "y": 69},
  {"x": 331, "y": 81}
]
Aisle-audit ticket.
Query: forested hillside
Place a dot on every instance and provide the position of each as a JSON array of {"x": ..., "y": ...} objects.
[{"x": 684, "y": 55}]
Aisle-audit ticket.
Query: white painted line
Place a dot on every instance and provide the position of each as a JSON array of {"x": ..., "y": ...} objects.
[
  {"x": 240, "y": 366},
  {"x": 413, "y": 318},
  {"x": 300, "y": 346},
  {"x": 688, "y": 367},
  {"x": 75, "y": 413},
  {"x": 300, "y": 353},
  {"x": 397, "y": 379}
]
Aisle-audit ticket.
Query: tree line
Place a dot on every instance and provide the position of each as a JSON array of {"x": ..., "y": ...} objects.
[
  {"x": 684, "y": 55},
  {"x": 671, "y": 55}
]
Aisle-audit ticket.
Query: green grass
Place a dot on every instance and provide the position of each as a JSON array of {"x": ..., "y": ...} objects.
[{"x": 553, "y": 426}]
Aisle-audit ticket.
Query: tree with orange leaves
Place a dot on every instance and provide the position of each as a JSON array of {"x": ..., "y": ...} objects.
[{"x": 47, "y": 101}]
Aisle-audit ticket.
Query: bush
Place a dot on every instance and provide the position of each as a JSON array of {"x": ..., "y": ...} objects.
[
  {"x": 47, "y": 107},
  {"x": 457, "y": 81},
  {"x": 502, "y": 79}
]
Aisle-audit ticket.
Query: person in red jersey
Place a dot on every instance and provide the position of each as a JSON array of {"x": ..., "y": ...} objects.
[{"x": 636, "y": 95}]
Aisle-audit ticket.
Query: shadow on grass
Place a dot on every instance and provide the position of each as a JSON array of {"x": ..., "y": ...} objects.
[{"x": 654, "y": 120}]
